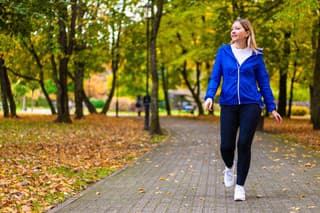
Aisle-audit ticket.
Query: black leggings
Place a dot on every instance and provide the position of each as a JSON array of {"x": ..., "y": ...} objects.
[{"x": 245, "y": 118}]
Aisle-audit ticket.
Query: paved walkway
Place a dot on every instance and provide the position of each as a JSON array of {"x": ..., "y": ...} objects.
[{"x": 184, "y": 174}]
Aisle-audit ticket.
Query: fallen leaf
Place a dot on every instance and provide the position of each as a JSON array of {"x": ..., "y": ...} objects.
[
  {"x": 309, "y": 165},
  {"x": 163, "y": 179},
  {"x": 142, "y": 190}
]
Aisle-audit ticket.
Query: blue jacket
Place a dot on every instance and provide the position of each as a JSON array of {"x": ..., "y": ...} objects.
[{"x": 240, "y": 83}]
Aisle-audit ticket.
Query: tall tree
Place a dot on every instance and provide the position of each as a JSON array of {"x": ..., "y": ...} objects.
[
  {"x": 165, "y": 89},
  {"x": 116, "y": 31},
  {"x": 155, "y": 127},
  {"x": 79, "y": 62},
  {"x": 284, "y": 65},
  {"x": 66, "y": 42},
  {"x": 293, "y": 80}
]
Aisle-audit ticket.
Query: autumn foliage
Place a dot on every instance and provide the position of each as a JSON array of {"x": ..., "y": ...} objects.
[{"x": 43, "y": 163}]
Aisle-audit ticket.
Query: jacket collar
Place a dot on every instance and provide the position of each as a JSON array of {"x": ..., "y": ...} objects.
[{"x": 227, "y": 48}]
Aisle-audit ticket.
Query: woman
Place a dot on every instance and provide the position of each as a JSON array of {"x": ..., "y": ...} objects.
[{"x": 241, "y": 65}]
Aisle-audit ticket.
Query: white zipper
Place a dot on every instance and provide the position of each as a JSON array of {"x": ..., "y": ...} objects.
[{"x": 239, "y": 102}]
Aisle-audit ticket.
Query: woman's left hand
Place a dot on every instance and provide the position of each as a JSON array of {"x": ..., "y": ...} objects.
[{"x": 276, "y": 116}]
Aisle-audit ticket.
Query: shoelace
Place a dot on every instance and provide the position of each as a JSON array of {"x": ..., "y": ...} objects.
[
  {"x": 229, "y": 173},
  {"x": 240, "y": 190}
]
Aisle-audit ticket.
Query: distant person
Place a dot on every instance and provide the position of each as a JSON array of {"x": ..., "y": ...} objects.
[
  {"x": 139, "y": 104},
  {"x": 242, "y": 68}
]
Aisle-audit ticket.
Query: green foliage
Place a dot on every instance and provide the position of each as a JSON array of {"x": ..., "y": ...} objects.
[
  {"x": 190, "y": 31},
  {"x": 97, "y": 103},
  {"x": 20, "y": 88},
  {"x": 40, "y": 102},
  {"x": 50, "y": 86}
]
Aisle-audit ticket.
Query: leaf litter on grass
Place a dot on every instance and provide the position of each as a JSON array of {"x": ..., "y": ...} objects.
[{"x": 43, "y": 163}]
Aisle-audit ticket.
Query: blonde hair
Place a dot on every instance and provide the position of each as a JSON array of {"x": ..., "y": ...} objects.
[{"x": 251, "y": 41}]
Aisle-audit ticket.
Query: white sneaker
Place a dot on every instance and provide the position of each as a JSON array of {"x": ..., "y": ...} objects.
[
  {"x": 228, "y": 177},
  {"x": 239, "y": 193}
]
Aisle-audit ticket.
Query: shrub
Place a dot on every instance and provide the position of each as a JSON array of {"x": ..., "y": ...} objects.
[
  {"x": 97, "y": 103},
  {"x": 299, "y": 110}
]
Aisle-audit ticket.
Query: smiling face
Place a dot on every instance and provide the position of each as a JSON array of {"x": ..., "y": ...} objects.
[{"x": 238, "y": 33}]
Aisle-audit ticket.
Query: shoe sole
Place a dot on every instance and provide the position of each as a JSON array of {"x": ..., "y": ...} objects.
[
  {"x": 240, "y": 199},
  {"x": 228, "y": 186}
]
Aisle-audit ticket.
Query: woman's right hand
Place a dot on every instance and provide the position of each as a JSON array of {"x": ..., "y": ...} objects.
[
  {"x": 276, "y": 116},
  {"x": 208, "y": 104}
]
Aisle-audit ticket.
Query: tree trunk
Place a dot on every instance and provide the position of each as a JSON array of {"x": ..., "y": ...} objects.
[
  {"x": 111, "y": 93},
  {"x": 165, "y": 89},
  {"x": 32, "y": 50},
  {"x": 62, "y": 93},
  {"x": 315, "y": 108},
  {"x": 208, "y": 65},
  {"x": 6, "y": 95},
  {"x": 56, "y": 80},
  {"x": 47, "y": 97},
  {"x": 195, "y": 92},
  {"x": 78, "y": 88},
  {"x": 185, "y": 78},
  {"x": 115, "y": 54},
  {"x": 197, "y": 95},
  {"x": 13, "y": 108},
  {"x": 155, "y": 122},
  {"x": 62, "y": 96},
  {"x": 88, "y": 104},
  {"x": 4, "y": 98},
  {"x": 66, "y": 42},
  {"x": 282, "y": 104},
  {"x": 293, "y": 79}
]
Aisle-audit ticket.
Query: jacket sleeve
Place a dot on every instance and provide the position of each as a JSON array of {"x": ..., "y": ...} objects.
[
  {"x": 215, "y": 77},
  {"x": 264, "y": 85}
]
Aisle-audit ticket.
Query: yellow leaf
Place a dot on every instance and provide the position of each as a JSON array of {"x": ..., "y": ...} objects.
[
  {"x": 142, "y": 190},
  {"x": 309, "y": 165},
  {"x": 163, "y": 179}
]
